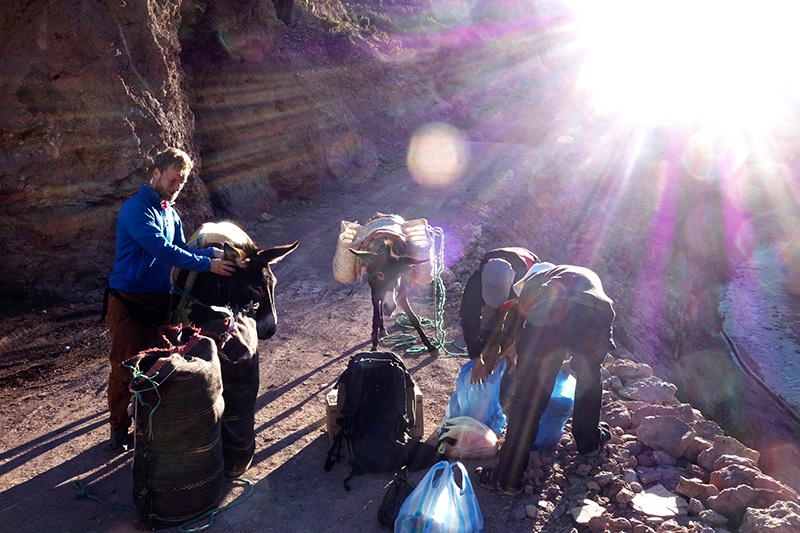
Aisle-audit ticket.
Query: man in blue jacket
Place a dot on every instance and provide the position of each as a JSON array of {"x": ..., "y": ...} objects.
[{"x": 150, "y": 240}]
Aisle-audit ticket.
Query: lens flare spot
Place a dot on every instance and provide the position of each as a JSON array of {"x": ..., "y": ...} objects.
[{"x": 437, "y": 155}]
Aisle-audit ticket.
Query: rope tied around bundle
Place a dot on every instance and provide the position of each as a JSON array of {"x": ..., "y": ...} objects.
[
  {"x": 138, "y": 376},
  {"x": 82, "y": 493}
]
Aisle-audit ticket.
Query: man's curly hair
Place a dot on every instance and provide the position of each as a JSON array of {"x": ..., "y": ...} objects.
[{"x": 172, "y": 158}]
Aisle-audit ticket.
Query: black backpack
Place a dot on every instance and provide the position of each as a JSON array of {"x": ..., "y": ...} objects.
[{"x": 376, "y": 412}]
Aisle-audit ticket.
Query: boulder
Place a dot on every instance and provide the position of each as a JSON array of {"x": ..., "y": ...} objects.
[{"x": 666, "y": 433}]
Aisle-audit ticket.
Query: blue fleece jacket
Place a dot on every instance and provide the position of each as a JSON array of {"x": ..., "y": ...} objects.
[{"x": 150, "y": 240}]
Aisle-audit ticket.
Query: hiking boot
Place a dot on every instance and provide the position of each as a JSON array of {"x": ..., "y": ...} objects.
[
  {"x": 605, "y": 433},
  {"x": 485, "y": 480},
  {"x": 120, "y": 440}
]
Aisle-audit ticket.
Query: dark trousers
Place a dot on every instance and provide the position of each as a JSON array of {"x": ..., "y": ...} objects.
[
  {"x": 128, "y": 338},
  {"x": 581, "y": 331}
]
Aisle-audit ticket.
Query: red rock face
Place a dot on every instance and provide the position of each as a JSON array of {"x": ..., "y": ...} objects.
[{"x": 88, "y": 91}]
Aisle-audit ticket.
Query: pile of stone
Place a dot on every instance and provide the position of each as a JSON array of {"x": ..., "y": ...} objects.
[{"x": 667, "y": 469}]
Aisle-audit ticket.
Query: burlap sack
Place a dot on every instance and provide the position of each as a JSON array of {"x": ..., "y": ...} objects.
[
  {"x": 415, "y": 234},
  {"x": 177, "y": 460},
  {"x": 237, "y": 347}
]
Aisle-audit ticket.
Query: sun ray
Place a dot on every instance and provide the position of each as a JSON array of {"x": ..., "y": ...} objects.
[{"x": 722, "y": 62}]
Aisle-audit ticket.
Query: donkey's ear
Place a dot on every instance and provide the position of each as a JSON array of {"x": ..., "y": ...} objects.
[
  {"x": 276, "y": 253},
  {"x": 229, "y": 253},
  {"x": 408, "y": 260},
  {"x": 364, "y": 254}
]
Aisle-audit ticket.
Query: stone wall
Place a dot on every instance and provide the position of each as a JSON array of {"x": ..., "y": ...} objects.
[{"x": 88, "y": 91}]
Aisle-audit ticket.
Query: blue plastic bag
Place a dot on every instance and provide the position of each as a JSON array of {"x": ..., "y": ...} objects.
[
  {"x": 559, "y": 409},
  {"x": 481, "y": 402},
  {"x": 443, "y": 502}
]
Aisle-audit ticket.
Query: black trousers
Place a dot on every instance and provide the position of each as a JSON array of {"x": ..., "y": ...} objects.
[{"x": 576, "y": 329}]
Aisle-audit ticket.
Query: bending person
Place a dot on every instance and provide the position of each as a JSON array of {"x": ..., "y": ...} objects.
[
  {"x": 564, "y": 312},
  {"x": 489, "y": 312}
]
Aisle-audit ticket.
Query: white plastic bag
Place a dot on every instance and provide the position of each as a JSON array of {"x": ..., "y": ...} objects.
[
  {"x": 463, "y": 437},
  {"x": 443, "y": 502}
]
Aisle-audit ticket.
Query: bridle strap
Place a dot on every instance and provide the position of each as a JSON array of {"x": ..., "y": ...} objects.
[{"x": 187, "y": 300}]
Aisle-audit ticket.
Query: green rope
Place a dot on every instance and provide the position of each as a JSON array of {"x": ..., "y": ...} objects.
[
  {"x": 136, "y": 374},
  {"x": 210, "y": 514},
  {"x": 83, "y": 494},
  {"x": 180, "y": 316},
  {"x": 408, "y": 339},
  {"x": 439, "y": 340}
]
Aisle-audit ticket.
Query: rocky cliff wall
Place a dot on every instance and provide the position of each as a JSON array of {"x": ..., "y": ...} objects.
[{"x": 88, "y": 91}]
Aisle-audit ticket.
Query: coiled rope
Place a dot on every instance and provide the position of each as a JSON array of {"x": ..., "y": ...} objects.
[
  {"x": 439, "y": 339},
  {"x": 183, "y": 528},
  {"x": 83, "y": 494}
]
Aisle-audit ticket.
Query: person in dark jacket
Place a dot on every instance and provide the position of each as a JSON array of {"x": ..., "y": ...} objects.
[
  {"x": 150, "y": 240},
  {"x": 564, "y": 311},
  {"x": 489, "y": 314}
]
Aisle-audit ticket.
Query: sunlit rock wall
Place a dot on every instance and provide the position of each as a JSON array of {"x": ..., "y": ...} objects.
[
  {"x": 88, "y": 91},
  {"x": 241, "y": 88}
]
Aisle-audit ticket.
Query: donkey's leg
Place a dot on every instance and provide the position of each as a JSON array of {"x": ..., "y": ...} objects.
[
  {"x": 412, "y": 317},
  {"x": 377, "y": 322}
]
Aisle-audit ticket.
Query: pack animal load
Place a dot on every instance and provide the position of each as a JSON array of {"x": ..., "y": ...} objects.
[
  {"x": 177, "y": 458},
  {"x": 250, "y": 289},
  {"x": 392, "y": 254},
  {"x": 416, "y": 233},
  {"x": 376, "y": 413},
  {"x": 211, "y": 234},
  {"x": 236, "y": 311},
  {"x": 237, "y": 348}
]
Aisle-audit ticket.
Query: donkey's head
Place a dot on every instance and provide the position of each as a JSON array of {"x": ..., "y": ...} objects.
[
  {"x": 252, "y": 285},
  {"x": 385, "y": 263}
]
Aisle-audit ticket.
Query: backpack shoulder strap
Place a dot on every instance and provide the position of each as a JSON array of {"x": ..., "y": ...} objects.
[
  {"x": 403, "y": 382},
  {"x": 335, "y": 452},
  {"x": 411, "y": 400},
  {"x": 352, "y": 379}
]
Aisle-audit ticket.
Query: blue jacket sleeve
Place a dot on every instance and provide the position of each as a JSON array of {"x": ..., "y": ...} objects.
[{"x": 158, "y": 235}]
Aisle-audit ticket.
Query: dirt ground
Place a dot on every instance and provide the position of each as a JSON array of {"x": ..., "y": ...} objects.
[
  {"x": 53, "y": 375},
  {"x": 53, "y": 371}
]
